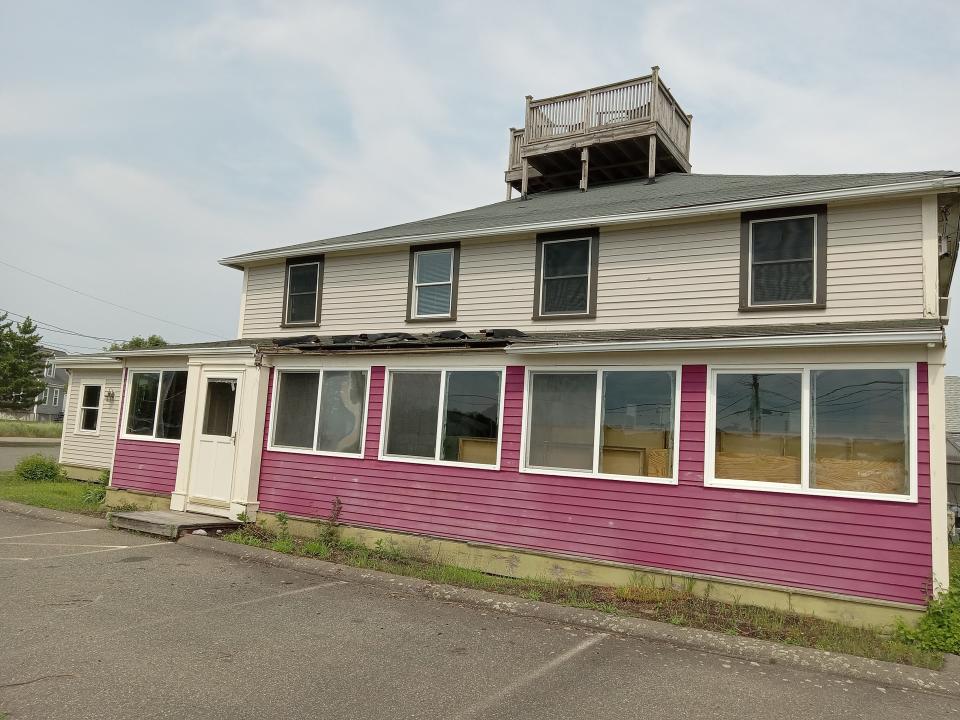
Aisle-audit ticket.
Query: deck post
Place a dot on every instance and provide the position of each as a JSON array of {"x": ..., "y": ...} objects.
[
  {"x": 584, "y": 168},
  {"x": 524, "y": 177},
  {"x": 652, "y": 159},
  {"x": 527, "y": 132},
  {"x": 654, "y": 91}
]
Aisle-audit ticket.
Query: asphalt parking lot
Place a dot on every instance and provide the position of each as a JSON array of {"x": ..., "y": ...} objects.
[
  {"x": 11, "y": 454},
  {"x": 97, "y": 623}
]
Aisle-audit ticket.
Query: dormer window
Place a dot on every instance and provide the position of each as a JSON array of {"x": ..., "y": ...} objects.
[
  {"x": 303, "y": 288},
  {"x": 566, "y": 275},
  {"x": 432, "y": 285},
  {"x": 783, "y": 259}
]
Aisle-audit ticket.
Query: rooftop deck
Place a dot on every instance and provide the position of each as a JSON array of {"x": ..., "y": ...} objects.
[{"x": 612, "y": 132}]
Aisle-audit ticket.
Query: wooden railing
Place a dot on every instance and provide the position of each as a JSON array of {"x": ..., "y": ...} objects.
[{"x": 641, "y": 100}]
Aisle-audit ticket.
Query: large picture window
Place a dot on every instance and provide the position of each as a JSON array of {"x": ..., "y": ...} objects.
[
  {"x": 155, "y": 404},
  {"x": 616, "y": 423},
  {"x": 821, "y": 430},
  {"x": 320, "y": 411},
  {"x": 566, "y": 275},
  {"x": 444, "y": 415}
]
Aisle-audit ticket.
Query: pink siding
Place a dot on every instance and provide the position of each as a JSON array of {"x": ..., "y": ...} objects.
[
  {"x": 142, "y": 464},
  {"x": 858, "y": 547}
]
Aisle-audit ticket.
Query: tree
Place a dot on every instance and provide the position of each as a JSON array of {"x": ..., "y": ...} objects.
[
  {"x": 21, "y": 364},
  {"x": 138, "y": 343}
]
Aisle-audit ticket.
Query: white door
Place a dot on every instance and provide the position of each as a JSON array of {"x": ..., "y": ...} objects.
[{"x": 211, "y": 471}]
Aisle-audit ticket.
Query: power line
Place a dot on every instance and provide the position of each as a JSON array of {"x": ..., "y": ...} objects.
[
  {"x": 108, "y": 302},
  {"x": 57, "y": 329}
]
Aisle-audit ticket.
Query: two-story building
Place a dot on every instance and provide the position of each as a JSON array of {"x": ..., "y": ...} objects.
[{"x": 629, "y": 368}]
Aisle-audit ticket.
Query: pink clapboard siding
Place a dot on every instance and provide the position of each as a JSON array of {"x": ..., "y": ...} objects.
[
  {"x": 147, "y": 465},
  {"x": 867, "y": 548}
]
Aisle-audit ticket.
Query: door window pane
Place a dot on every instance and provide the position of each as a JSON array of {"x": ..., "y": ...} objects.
[
  {"x": 296, "y": 409},
  {"x": 173, "y": 393},
  {"x": 412, "y": 422},
  {"x": 566, "y": 272},
  {"x": 341, "y": 411},
  {"x": 637, "y": 433},
  {"x": 859, "y": 431},
  {"x": 561, "y": 420},
  {"x": 218, "y": 408},
  {"x": 758, "y": 418},
  {"x": 144, "y": 388},
  {"x": 471, "y": 417}
]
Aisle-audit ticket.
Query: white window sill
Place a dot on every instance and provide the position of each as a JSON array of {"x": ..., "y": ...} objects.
[
  {"x": 439, "y": 463},
  {"x": 150, "y": 438},
  {"x": 568, "y": 473},
  {"x": 798, "y": 490},
  {"x": 315, "y": 453}
]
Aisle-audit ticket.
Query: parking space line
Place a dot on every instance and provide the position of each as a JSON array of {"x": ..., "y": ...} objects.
[
  {"x": 33, "y": 544},
  {"x": 55, "y": 532},
  {"x": 530, "y": 677},
  {"x": 102, "y": 549}
]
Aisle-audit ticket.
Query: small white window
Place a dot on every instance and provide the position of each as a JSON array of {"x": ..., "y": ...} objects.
[
  {"x": 566, "y": 277},
  {"x": 433, "y": 289},
  {"x": 48, "y": 370},
  {"x": 302, "y": 303},
  {"x": 56, "y": 397},
  {"x": 88, "y": 414},
  {"x": 43, "y": 397}
]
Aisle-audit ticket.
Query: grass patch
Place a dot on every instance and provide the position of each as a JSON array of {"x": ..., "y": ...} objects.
[
  {"x": 66, "y": 495},
  {"x": 939, "y": 628},
  {"x": 638, "y": 599},
  {"x": 23, "y": 428}
]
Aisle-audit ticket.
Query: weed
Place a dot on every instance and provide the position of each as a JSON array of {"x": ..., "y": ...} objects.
[
  {"x": 94, "y": 495},
  {"x": 104, "y": 478},
  {"x": 316, "y": 548},
  {"x": 939, "y": 627},
  {"x": 282, "y": 544}
]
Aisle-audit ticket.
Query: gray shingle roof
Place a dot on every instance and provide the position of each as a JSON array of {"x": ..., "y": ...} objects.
[
  {"x": 952, "y": 391},
  {"x": 671, "y": 191}
]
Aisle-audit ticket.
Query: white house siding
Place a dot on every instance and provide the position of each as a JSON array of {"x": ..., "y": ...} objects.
[
  {"x": 669, "y": 275},
  {"x": 86, "y": 449}
]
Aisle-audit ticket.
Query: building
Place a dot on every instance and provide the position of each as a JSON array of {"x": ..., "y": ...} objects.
[
  {"x": 731, "y": 381},
  {"x": 49, "y": 405}
]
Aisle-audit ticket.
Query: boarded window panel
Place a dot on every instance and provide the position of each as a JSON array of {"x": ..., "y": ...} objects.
[
  {"x": 434, "y": 266},
  {"x": 433, "y": 300},
  {"x": 341, "y": 411},
  {"x": 561, "y": 420},
  {"x": 758, "y": 427},
  {"x": 638, "y": 414},
  {"x": 471, "y": 417},
  {"x": 791, "y": 239},
  {"x": 173, "y": 393},
  {"x": 783, "y": 282},
  {"x": 860, "y": 431},
  {"x": 414, "y": 407},
  {"x": 296, "y": 409},
  {"x": 569, "y": 257},
  {"x": 144, "y": 391}
]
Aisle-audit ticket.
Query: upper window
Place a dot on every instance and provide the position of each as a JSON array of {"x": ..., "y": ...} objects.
[
  {"x": 619, "y": 423},
  {"x": 56, "y": 397},
  {"x": 88, "y": 414},
  {"x": 48, "y": 370},
  {"x": 566, "y": 275},
  {"x": 856, "y": 438},
  {"x": 42, "y": 400},
  {"x": 155, "y": 405},
  {"x": 432, "y": 292},
  {"x": 444, "y": 415},
  {"x": 320, "y": 411},
  {"x": 303, "y": 289},
  {"x": 783, "y": 259}
]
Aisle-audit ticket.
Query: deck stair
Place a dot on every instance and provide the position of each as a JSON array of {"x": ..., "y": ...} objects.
[{"x": 169, "y": 523}]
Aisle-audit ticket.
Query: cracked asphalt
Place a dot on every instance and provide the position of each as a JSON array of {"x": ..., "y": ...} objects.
[{"x": 103, "y": 624}]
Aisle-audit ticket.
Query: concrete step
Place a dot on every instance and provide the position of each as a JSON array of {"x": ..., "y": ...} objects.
[{"x": 168, "y": 523}]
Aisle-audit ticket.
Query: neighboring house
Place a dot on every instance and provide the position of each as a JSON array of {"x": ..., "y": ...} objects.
[
  {"x": 953, "y": 440},
  {"x": 49, "y": 403},
  {"x": 736, "y": 381}
]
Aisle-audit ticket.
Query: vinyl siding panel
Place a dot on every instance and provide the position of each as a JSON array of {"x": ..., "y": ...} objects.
[
  {"x": 857, "y": 547},
  {"x": 150, "y": 466},
  {"x": 677, "y": 275},
  {"x": 84, "y": 449}
]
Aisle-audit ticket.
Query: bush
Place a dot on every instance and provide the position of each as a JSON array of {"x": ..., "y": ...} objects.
[
  {"x": 104, "y": 478},
  {"x": 939, "y": 627},
  {"x": 37, "y": 468}
]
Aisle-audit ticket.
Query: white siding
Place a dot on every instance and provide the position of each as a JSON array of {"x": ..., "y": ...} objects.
[
  {"x": 85, "y": 449},
  {"x": 672, "y": 275}
]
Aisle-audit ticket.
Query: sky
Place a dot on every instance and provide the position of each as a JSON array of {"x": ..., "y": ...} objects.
[{"x": 140, "y": 142}]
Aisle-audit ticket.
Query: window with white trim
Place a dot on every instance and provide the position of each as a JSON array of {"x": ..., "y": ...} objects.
[
  {"x": 48, "y": 370},
  {"x": 56, "y": 397},
  {"x": 829, "y": 430},
  {"x": 565, "y": 276},
  {"x": 432, "y": 275},
  {"x": 444, "y": 415},
  {"x": 155, "y": 405},
  {"x": 42, "y": 400},
  {"x": 320, "y": 411},
  {"x": 616, "y": 423},
  {"x": 88, "y": 413},
  {"x": 302, "y": 301}
]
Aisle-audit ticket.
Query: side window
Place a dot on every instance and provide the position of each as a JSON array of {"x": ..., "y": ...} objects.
[
  {"x": 303, "y": 287},
  {"x": 320, "y": 411},
  {"x": 783, "y": 259},
  {"x": 566, "y": 275},
  {"x": 432, "y": 286},
  {"x": 56, "y": 397},
  {"x": 88, "y": 414},
  {"x": 156, "y": 404}
]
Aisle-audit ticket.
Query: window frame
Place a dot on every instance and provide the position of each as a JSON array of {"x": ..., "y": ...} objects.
[
  {"x": 747, "y": 221},
  {"x": 77, "y": 429},
  {"x": 127, "y": 396},
  {"x": 56, "y": 397},
  {"x": 44, "y": 396},
  {"x": 529, "y": 371},
  {"x": 317, "y": 260},
  {"x": 543, "y": 239},
  {"x": 412, "y": 284},
  {"x": 301, "y": 369},
  {"x": 385, "y": 421},
  {"x": 804, "y": 369}
]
